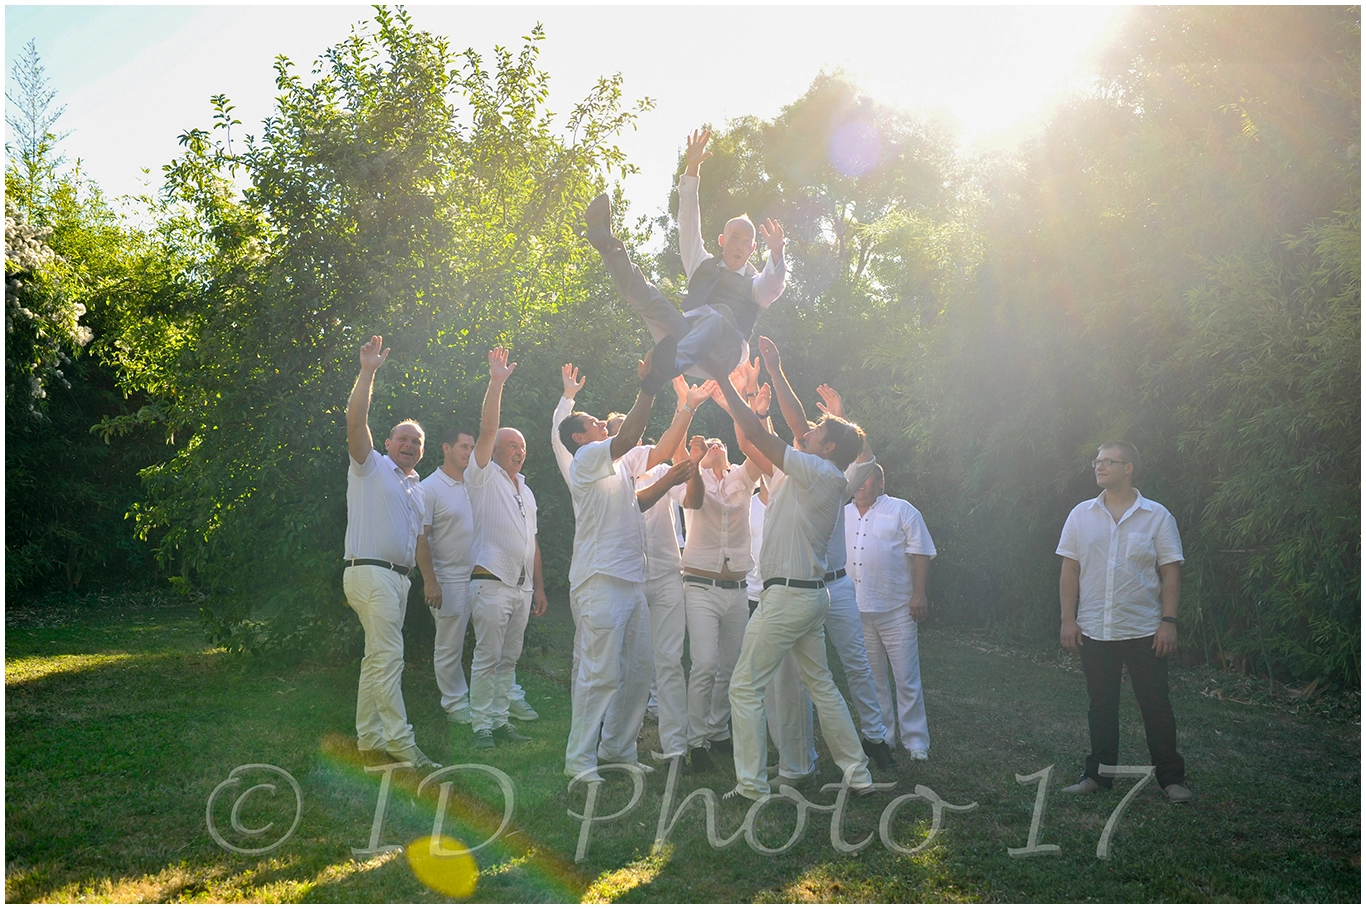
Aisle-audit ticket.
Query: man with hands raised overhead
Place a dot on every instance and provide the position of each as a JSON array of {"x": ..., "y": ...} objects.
[{"x": 726, "y": 293}]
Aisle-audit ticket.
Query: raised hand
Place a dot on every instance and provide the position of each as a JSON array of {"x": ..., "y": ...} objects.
[
  {"x": 373, "y": 353},
  {"x": 750, "y": 372},
  {"x": 643, "y": 366},
  {"x": 769, "y": 351},
  {"x": 772, "y": 232},
  {"x": 697, "y": 448},
  {"x": 763, "y": 400},
  {"x": 697, "y": 394},
  {"x": 569, "y": 375},
  {"x": 697, "y": 150},
  {"x": 681, "y": 472},
  {"x": 830, "y": 401},
  {"x": 499, "y": 367}
]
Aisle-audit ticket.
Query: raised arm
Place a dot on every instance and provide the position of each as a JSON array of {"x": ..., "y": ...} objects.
[
  {"x": 690, "y": 246},
  {"x": 569, "y": 375},
  {"x": 793, "y": 412},
  {"x": 769, "y": 445},
  {"x": 628, "y": 436},
  {"x": 690, "y": 397},
  {"x": 696, "y": 493},
  {"x": 499, "y": 370},
  {"x": 770, "y": 283},
  {"x": 359, "y": 442},
  {"x": 678, "y": 473}
]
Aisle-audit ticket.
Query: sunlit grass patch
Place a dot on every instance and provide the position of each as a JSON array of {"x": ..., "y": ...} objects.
[
  {"x": 31, "y": 669},
  {"x": 613, "y": 885}
]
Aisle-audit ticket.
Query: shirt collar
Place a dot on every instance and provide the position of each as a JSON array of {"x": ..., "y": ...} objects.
[
  {"x": 1140, "y": 503},
  {"x": 389, "y": 462},
  {"x": 448, "y": 479}
]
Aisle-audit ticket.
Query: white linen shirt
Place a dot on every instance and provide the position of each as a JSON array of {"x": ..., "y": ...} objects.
[
  {"x": 768, "y": 284},
  {"x": 1121, "y": 590},
  {"x": 609, "y": 531},
  {"x": 450, "y": 526},
  {"x": 504, "y": 530},
  {"x": 385, "y": 511},
  {"x": 661, "y": 539},
  {"x": 562, "y": 455},
  {"x": 879, "y": 541},
  {"x": 754, "y": 580},
  {"x": 718, "y": 532},
  {"x": 802, "y": 510}
]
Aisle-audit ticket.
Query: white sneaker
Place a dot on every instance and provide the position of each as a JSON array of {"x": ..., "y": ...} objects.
[
  {"x": 521, "y": 710},
  {"x": 462, "y": 714},
  {"x": 737, "y": 794},
  {"x": 1178, "y": 792},
  {"x": 415, "y": 756},
  {"x": 919, "y": 754},
  {"x": 1083, "y": 786}
]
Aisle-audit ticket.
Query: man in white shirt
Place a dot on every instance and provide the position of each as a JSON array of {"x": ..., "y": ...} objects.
[
  {"x": 716, "y": 558},
  {"x": 889, "y": 550},
  {"x": 725, "y": 295},
  {"x": 607, "y": 585},
  {"x": 450, "y": 530},
  {"x": 506, "y": 586},
  {"x": 663, "y": 582},
  {"x": 385, "y": 515},
  {"x": 792, "y": 607},
  {"x": 1120, "y": 589}
]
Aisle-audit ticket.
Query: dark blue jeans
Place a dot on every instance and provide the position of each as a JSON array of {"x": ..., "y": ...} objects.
[{"x": 1101, "y": 661}]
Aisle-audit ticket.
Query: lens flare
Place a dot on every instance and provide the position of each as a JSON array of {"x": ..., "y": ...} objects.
[
  {"x": 855, "y": 148},
  {"x": 449, "y": 875}
]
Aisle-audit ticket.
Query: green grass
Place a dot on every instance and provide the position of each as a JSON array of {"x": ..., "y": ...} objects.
[{"x": 121, "y": 721}]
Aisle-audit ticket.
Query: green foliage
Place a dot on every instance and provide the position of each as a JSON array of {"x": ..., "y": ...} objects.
[{"x": 404, "y": 191}]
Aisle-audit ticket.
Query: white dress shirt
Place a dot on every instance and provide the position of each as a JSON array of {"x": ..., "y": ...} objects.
[
  {"x": 1121, "y": 590},
  {"x": 768, "y": 284},
  {"x": 609, "y": 531},
  {"x": 718, "y": 532},
  {"x": 562, "y": 455},
  {"x": 504, "y": 523},
  {"x": 450, "y": 526},
  {"x": 879, "y": 540},
  {"x": 385, "y": 511},
  {"x": 661, "y": 540},
  {"x": 801, "y": 517},
  {"x": 754, "y": 580}
]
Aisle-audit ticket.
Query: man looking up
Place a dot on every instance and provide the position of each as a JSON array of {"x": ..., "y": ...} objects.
[
  {"x": 791, "y": 616},
  {"x": 890, "y": 551},
  {"x": 385, "y": 514},
  {"x": 1120, "y": 590},
  {"x": 506, "y": 584},
  {"x": 607, "y": 584},
  {"x": 726, "y": 293}
]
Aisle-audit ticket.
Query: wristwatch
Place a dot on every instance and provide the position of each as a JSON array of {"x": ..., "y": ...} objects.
[{"x": 1170, "y": 618}]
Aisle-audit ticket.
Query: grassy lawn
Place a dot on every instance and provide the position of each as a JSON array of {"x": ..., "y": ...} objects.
[{"x": 120, "y": 723}]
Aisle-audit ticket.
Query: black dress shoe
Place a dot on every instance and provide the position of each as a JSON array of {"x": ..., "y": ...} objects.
[
  {"x": 880, "y": 753},
  {"x": 723, "y": 746},
  {"x": 699, "y": 761},
  {"x": 598, "y": 217}
]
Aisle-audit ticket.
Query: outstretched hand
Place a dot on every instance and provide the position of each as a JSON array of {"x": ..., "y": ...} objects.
[
  {"x": 830, "y": 402},
  {"x": 499, "y": 367},
  {"x": 769, "y": 351},
  {"x": 698, "y": 394},
  {"x": 697, "y": 150},
  {"x": 763, "y": 400},
  {"x": 569, "y": 375},
  {"x": 373, "y": 353},
  {"x": 772, "y": 232}
]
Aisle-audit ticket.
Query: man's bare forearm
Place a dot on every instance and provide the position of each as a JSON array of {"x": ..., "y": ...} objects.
[{"x": 633, "y": 427}]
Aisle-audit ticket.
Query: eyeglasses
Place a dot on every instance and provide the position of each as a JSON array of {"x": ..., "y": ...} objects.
[
  {"x": 1107, "y": 462},
  {"x": 520, "y": 506}
]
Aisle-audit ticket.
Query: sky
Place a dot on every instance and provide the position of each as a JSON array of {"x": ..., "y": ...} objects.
[{"x": 133, "y": 78}]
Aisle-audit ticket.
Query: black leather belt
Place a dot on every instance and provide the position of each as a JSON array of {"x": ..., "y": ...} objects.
[
  {"x": 401, "y": 569},
  {"x": 794, "y": 582},
  {"x": 712, "y": 582},
  {"x": 490, "y": 576},
  {"x": 834, "y": 575}
]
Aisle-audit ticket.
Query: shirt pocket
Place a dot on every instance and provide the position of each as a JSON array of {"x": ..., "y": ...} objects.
[
  {"x": 886, "y": 527},
  {"x": 1141, "y": 552}
]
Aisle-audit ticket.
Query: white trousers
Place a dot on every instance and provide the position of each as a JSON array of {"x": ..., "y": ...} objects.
[
  {"x": 499, "y": 613},
  {"x": 670, "y": 687},
  {"x": 451, "y": 621},
  {"x": 379, "y": 597},
  {"x": 844, "y": 625},
  {"x": 791, "y": 722},
  {"x": 613, "y": 646},
  {"x": 716, "y": 627},
  {"x": 789, "y": 620},
  {"x": 894, "y": 637}
]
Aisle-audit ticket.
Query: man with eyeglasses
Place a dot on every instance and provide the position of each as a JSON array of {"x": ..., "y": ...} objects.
[
  {"x": 506, "y": 586},
  {"x": 1120, "y": 590}
]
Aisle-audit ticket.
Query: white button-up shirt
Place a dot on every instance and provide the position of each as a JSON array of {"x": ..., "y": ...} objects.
[
  {"x": 754, "y": 580},
  {"x": 718, "y": 532},
  {"x": 504, "y": 523},
  {"x": 385, "y": 511},
  {"x": 802, "y": 510},
  {"x": 1121, "y": 590},
  {"x": 450, "y": 526},
  {"x": 661, "y": 539},
  {"x": 879, "y": 542},
  {"x": 609, "y": 532}
]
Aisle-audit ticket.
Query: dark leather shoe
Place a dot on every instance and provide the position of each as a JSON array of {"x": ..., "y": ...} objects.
[
  {"x": 662, "y": 368},
  {"x": 508, "y": 733},
  {"x": 598, "y": 218},
  {"x": 723, "y": 746},
  {"x": 699, "y": 761},
  {"x": 880, "y": 753}
]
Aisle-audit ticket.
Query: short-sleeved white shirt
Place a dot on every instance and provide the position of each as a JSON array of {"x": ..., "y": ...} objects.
[
  {"x": 609, "y": 531},
  {"x": 718, "y": 532},
  {"x": 855, "y": 474},
  {"x": 879, "y": 541},
  {"x": 754, "y": 580},
  {"x": 661, "y": 540},
  {"x": 801, "y": 516},
  {"x": 385, "y": 511},
  {"x": 450, "y": 523},
  {"x": 1121, "y": 590},
  {"x": 504, "y": 527}
]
